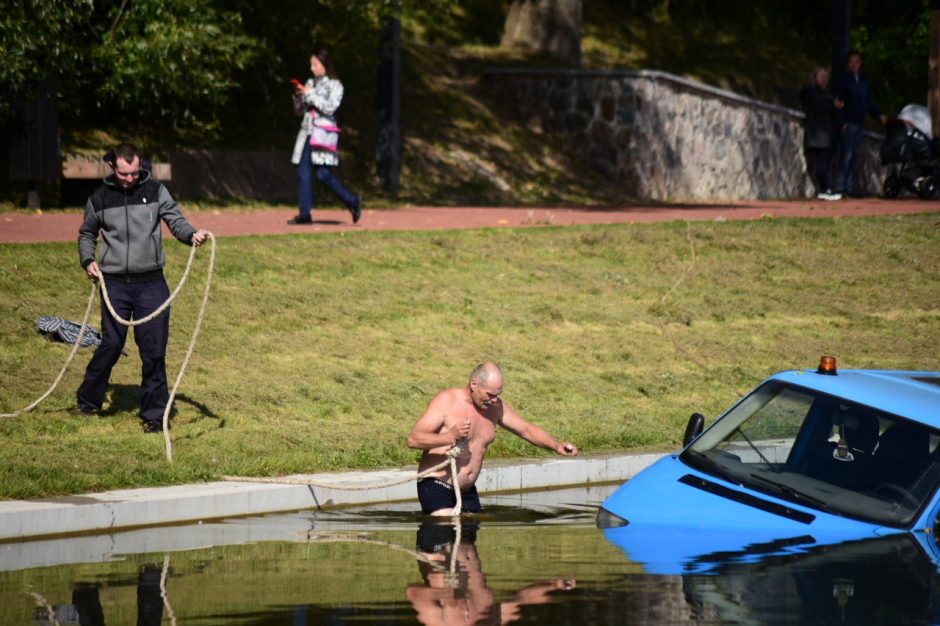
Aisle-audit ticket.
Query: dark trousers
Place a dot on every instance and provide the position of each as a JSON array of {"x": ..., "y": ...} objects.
[
  {"x": 850, "y": 142},
  {"x": 132, "y": 301},
  {"x": 818, "y": 161}
]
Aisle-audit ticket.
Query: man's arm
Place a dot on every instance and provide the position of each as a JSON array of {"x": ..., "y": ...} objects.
[
  {"x": 535, "y": 435},
  {"x": 171, "y": 215},
  {"x": 430, "y": 431},
  {"x": 88, "y": 241}
]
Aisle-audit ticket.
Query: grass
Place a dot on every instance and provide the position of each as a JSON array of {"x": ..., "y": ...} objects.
[{"x": 319, "y": 352}]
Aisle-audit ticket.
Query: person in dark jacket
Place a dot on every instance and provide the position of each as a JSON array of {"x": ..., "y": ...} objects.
[
  {"x": 852, "y": 89},
  {"x": 126, "y": 211},
  {"x": 820, "y": 107}
]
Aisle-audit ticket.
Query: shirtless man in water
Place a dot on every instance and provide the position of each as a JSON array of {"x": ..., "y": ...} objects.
[{"x": 468, "y": 416}]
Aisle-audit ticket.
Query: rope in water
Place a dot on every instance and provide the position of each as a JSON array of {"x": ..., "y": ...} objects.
[
  {"x": 451, "y": 576},
  {"x": 451, "y": 460},
  {"x": 164, "y": 573},
  {"x": 137, "y": 322}
]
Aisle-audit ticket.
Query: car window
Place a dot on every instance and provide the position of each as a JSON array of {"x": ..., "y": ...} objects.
[{"x": 823, "y": 452}]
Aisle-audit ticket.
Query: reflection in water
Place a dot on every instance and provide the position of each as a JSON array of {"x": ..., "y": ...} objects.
[
  {"x": 886, "y": 580},
  {"x": 86, "y": 609},
  {"x": 510, "y": 566},
  {"x": 455, "y": 589}
]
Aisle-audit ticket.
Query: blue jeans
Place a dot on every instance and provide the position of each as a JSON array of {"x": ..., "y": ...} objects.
[
  {"x": 324, "y": 173},
  {"x": 850, "y": 140}
]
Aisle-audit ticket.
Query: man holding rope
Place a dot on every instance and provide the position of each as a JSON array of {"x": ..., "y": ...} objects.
[
  {"x": 467, "y": 417},
  {"x": 126, "y": 210}
]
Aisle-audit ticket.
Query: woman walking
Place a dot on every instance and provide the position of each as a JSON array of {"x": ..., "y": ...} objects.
[{"x": 315, "y": 150}]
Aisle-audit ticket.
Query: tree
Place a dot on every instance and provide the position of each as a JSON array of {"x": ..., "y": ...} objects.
[
  {"x": 156, "y": 64},
  {"x": 551, "y": 27},
  {"x": 40, "y": 40}
]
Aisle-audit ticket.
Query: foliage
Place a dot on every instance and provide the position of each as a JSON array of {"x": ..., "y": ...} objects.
[
  {"x": 894, "y": 50},
  {"x": 40, "y": 40},
  {"x": 319, "y": 351},
  {"x": 752, "y": 46},
  {"x": 171, "y": 63},
  {"x": 157, "y": 65}
]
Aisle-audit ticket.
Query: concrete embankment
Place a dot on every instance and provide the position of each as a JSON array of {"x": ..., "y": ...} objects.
[{"x": 135, "y": 508}]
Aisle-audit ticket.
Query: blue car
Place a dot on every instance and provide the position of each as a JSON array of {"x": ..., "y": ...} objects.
[{"x": 807, "y": 458}]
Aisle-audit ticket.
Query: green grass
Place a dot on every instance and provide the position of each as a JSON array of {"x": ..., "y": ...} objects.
[{"x": 319, "y": 352}]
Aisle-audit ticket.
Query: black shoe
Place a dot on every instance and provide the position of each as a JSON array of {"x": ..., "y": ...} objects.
[
  {"x": 152, "y": 427},
  {"x": 300, "y": 220},
  {"x": 84, "y": 411},
  {"x": 356, "y": 209}
]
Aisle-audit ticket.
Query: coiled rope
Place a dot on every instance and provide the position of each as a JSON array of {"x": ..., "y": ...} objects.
[
  {"x": 451, "y": 460},
  {"x": 137, "y": 322}
]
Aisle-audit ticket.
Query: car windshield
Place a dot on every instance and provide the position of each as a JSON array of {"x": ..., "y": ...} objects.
[{"x": 824, "y": 453}]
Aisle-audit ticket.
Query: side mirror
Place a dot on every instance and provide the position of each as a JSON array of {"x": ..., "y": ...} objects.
[{"x": 694, "y": 428}]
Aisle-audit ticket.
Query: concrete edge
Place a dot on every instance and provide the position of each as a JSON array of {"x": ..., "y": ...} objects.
[{"x": 136, "y": 508}]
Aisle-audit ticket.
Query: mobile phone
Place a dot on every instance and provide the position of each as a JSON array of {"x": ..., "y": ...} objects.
[{"x": 296, "y": 83}]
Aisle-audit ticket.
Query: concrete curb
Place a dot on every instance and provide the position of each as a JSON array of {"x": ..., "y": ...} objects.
[{"x": 135, "y": 508}]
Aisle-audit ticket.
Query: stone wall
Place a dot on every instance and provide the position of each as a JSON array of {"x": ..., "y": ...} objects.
[{"x": 667, "y": 138}]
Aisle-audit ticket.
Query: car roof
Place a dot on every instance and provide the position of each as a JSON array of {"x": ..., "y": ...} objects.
[{"x": 911, "y": 394}]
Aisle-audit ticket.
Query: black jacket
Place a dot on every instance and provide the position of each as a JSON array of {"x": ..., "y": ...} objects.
[
  {"x": 820, "y": 108},
  {"x": 855, "y": 92}
]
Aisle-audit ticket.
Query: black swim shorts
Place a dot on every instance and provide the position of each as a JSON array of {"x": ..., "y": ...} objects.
[{"x": 434, "y": 495}]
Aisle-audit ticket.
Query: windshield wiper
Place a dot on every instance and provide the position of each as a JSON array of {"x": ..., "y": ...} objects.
[
  {"x": 794, "y": 494},
  {"x": 755, "y": 448}
]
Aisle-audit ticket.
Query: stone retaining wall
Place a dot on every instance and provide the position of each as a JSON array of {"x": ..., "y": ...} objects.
[{"x": 667, "y": 138}]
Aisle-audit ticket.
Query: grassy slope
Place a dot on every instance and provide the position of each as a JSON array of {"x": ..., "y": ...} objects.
[{"x": 319, "y": 352}]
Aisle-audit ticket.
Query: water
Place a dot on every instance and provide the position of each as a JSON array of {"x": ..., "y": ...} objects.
[{"x": 531, "y": 559}]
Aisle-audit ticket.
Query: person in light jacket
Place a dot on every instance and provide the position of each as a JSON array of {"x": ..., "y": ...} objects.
[{"x": 315, "y": 150}]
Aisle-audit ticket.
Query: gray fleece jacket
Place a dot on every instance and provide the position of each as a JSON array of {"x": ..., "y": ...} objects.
[{"x": 129, "y": 223}]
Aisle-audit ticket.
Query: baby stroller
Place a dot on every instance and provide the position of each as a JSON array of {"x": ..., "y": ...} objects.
[{"x": 911, "y": 154}]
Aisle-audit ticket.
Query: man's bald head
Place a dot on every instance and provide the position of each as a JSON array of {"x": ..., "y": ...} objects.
[{"x": 485, "y": 372}]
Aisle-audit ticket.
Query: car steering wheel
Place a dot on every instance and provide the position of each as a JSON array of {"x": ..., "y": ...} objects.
[{"x": 899, "y": 493}]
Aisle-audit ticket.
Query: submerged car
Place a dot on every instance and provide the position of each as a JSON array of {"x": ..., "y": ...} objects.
[{"x": 807, "y": 458}]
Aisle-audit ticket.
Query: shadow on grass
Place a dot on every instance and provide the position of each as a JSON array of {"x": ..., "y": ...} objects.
[{"x": 126, "y": 399}]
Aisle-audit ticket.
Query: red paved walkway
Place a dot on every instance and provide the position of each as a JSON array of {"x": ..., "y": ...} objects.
[{"x": 53, "y": 226}]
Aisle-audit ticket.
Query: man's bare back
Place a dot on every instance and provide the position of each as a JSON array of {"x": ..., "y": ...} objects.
[{"x": 468, "y": 416}]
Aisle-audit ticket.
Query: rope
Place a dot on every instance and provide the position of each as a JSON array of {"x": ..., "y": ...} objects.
[
  {"x": 451, "y": 576},
  {"x": 58, "y": 379},
  {"x": 42, "y": 603},
  {"x": 120, "y": 320},
  {"x": 451, "y": 460},
  {"x": 192, "y": 341},
  {"x": 688, "y": 272},
  {"x": 163, "y": 593},
  {"x": 163, "y": 307}
]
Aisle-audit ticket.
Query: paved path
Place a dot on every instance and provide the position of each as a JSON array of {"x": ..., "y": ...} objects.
[{"x": 63, "y": 226}]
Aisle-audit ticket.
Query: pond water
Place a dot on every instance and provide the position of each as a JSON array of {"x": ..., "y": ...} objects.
[{"x": 530, "y": 559}]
